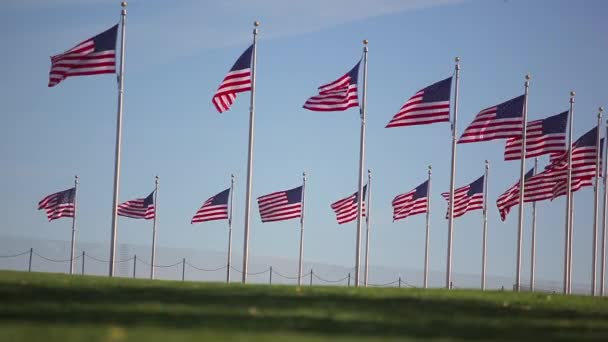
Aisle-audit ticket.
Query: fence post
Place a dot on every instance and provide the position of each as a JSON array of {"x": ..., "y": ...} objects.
[
  {"x": 82, "y": 262},
  {"x": 311, "y": 277},
  {"x": 134, "y": 264},
  {"x": 399, "y": 282},
  {"x": 183, "y": 269},
  {"x": 348, "y": 280},
  {"x": 29, "y": 268},
  {"x": 270, "y": 279}
]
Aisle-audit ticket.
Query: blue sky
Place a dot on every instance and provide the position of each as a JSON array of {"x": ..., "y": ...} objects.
[{"x": 177, "y": 54}]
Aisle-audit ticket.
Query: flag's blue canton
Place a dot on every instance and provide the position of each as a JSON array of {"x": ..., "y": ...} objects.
[
  {"x": 588, "y": 139},
  {"x": 513, "y": 108},
  {"x": 244, "y": 61},
  {"x": 106, "y": 40},
  {"x": 354, "y": 74},
  {"x": 149, "y": 200},
  {"x": 221, "y": 198},
  {"x": 476, "y": 187},
  {"x": 439, "y": 91},
  {"x": 364, "y": 192},
  {"x": 556, "y": 123},
  {"x": 421, "y": 191},
  {"x": 66, "y": 196},
  {"x": 294, "y": 195},
  {"x": 529, "y": 174}
]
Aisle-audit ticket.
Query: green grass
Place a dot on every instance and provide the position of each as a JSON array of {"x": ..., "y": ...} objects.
[{"x": 55, "y": 307}]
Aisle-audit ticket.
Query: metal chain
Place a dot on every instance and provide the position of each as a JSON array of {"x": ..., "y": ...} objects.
[
  {"x": 251, "y": 273},
  {"x": 204, "y": 269},
  {"x": 162, "y": 266},
  {"x": 107, "y": 261},
  {"x": 283, "y": 276},
  {"x": 55, "y": 260},
  {"x": 14, "y": 255},
  {"x": 387, "y": 284},
  {"x": 329, "y": 281}
]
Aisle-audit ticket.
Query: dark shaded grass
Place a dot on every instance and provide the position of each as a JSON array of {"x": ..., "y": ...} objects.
[{"x": 310, "y": 311}]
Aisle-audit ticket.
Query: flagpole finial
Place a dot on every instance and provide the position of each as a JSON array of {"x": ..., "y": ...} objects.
[
  {"x": 369, "y": 173},
  {"x": 487, "y": 164},
  {"x": 76, "y": 179},
  {"x": 365, "y": 41},
  {"x": 572, "y": 93},
  {"x": 601, "y": 109},
  {"x": 256, "y": 23},
  {"x": 430, "y": 167},
  {"x": 528, "y": 77},
  {"x": 457, "y": 59},
  {"x": 156, "y": 179},
  {"x": 123, "y": 4}
]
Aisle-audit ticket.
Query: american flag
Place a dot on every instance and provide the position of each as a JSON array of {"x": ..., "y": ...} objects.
[
  {"x": 429, "y": 105},
  {"x": 281, "y": 205},
  {"x": 238, "y": 80},
  {"x": 467, "y": 198},
  {"x": 542, "y": 137},
  {"x": 411, "y": 203},
  {"x": 584, "y": 152},
  {"x": 499, "y": 122},
  {"x": 60, "y": 204},
  {"x": 338, "y": 95},
  {"x": 510, "y": 198},
  {"x": 94, "y": 56},
  {"x": 346, "y": 209},
  {"x": 215, "y": 208},
  {"x": 141, "y": 208}
]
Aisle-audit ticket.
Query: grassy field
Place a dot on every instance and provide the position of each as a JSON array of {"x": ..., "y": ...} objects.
[{"x": 54, "y": 307}]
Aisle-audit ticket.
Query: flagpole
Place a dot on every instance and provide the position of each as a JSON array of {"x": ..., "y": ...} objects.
[
  {"x": 568, "y": 197},
  {"x": 367, "y": 223},
  {"x": 230, "y": 229},
  {"x": 428, "y": 228},
  {"x": 250, "y": 155},
  {"x": 73, "y": 245},
  {"x": 522, "y": 184},
  {"x": 302, "y": 231},
  {"x": 154, "y": 228},
  {"x": 361, "y": 166},
  {"x": 118, "y": 139},
  {"x": 571, "y": 242},
  {"x": 596, "y": 199},
  {"x": 485, "y": 226},
  {"x": 533, "y": 242},
  {"x": 604, "y": 217},
  {"x": 448, "y": 273}
]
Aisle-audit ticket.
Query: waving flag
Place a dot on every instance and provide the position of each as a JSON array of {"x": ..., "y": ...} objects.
[
  {"x": 94, "y": 56},
  {"x": 542, "y": 137},
  {"x": 467, "y": 198},
  {"x": 499, "y": 122},
  {"x": 238, "y": 80},
  {"x": 215, "y": 208},
  {"x": 411, "y": 203},
  {"x": 338, "y": 95},
  {"x": 281, "y": 205},
  {"x": 510, "y": 198},
  {"x": 141, "y": 208},
  {"x": 429, "y": 105},
  {"x": 60, "y": 204},
  {"x": 346, "y": 209}
]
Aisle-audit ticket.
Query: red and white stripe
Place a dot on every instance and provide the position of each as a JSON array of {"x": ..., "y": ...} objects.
[
  {"x": 405, "y": 205},
  {"x": 55, "y": 210},
  {"x": 236, "y": 81},
  {"x": 462, "y": 202},
  {"x": 276, "y": 207},
  {"x": 417, "y": 112},
  {"x": 81, "y": 60},
  {"x": 486, "y": 127},
  {"x": 135, "y": 209},
  {"x": 537, "y": 143},
  {"x": 210, "y": 212},
  {"x": 346, "y": 209},
  {"x": 336, "y": 96}
]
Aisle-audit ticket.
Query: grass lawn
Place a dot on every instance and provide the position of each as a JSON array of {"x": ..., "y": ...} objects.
[{"x": 57, "y": 307}]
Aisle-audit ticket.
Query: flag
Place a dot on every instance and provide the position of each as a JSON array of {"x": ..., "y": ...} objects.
[
  {"x": 542, "y": 137},
  {"x": 94, "y": 56},
  {"x": 346, "y": 209},
  {"x": 499, "y": 122},
  {"x": 467, "y": 198},
  {"x": 338, "y": 95},
  {"x": 560, "y": 188},
  {"x": 141, "y": 208},
  {"x": 60, "y": 204},
  {"x": 429, "y": 105},
  {"x": 411, "y": 203},
  {"x": 238, "y": 80},
  {"x": 215, "y": 208},
  {"x": 584, "y": 152},
  {"x": 281, "y": 205},
  {"x": 510, "y": 198}
]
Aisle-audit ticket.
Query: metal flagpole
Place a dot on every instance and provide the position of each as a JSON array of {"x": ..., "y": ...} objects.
[
  {"x": 73, "y": 246},
  {"x": 596, "y": 202},
  {"x": 367, "y": 224},
  {"x": 118, "y": 139},
  {"x": 428, "y": 228},
  {"x": 302, "y": 231},
  {"x": 571, "y": 243},
  {"x": 604, "y": 217},
  {"x": 568, "y": 195},
  {"x": 522, "y": 184},
  {"x": 250, "y": 155},
  {"x": 485, "y": 226},
  {"x": 230, "y": 229},
  {"x": 448, "y": 273},
  {"x": 361, "y": 166},
  {"x": 533, "y": 242},
  {"x": 154, "y": 228}
]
